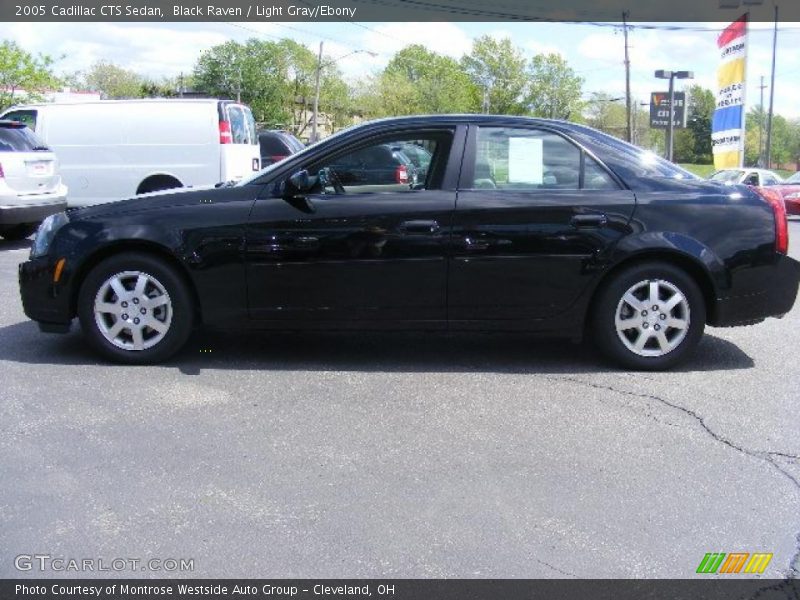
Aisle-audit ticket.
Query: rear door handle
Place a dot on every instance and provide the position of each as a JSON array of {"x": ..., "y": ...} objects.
[
  {"x": 593, "y": 220},
  {"x": 420, "y": 226}
]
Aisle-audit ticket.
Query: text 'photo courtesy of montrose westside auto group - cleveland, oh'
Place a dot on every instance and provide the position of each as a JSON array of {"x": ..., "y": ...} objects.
[{"x": 400, "y": 299}]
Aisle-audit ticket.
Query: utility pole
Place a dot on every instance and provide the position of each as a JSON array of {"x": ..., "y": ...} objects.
[
  {"x": 485, "y": 100},
  {"x": 762, "y": 87},
  {"x": 771, "y": 92},
  {"x": 628, "y": 113},
  {"x": 316, "y": 97}
]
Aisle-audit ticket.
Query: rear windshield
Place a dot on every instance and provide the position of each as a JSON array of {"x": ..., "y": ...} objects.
[
  {"x": 19, "y": 139},
  {"x": 274, "y": 144},
  {"x": 27, "y": 117}
]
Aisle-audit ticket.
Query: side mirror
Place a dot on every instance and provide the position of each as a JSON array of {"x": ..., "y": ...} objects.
[{"x": 300, "y": 181}]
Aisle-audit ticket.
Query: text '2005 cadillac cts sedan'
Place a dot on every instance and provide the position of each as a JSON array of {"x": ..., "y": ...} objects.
[{"x": 517, "y": 224}]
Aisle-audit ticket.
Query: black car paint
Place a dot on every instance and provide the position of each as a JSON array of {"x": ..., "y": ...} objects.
[{"x": 258, "y": 256}]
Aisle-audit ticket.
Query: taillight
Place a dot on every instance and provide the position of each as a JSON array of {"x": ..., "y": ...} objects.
[
  {"x": 225, "y": 136},
  {"x": 401, "y": 174},
  {"x": 781, "y": 224}
]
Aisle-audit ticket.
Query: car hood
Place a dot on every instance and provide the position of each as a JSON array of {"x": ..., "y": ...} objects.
[{"x": 145, "y": 202}]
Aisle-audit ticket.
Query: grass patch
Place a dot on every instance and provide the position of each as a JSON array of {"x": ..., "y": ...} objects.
[{"x": 705, "y": 171}]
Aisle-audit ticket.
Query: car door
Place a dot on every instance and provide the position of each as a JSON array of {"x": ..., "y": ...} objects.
[
  {"x": 349, "y": 252},
  {"x": 536, "y": 216}
]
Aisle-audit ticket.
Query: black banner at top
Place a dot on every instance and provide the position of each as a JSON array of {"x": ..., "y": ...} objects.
[
  {"x": 714, "y": 588},
  {"x": 396, "y": 10}
]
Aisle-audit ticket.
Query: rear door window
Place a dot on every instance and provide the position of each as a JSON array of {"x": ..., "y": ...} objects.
[{"x": 530, "y": 159}]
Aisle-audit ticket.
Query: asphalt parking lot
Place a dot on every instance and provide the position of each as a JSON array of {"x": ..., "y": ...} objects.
[{"x": 398, "y": 456}]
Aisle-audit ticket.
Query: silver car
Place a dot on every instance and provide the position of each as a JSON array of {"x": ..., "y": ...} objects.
[{"x": 30, "y": 185}]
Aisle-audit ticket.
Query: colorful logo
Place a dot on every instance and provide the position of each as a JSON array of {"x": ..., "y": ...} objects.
[{"x": 735, "y": 562}]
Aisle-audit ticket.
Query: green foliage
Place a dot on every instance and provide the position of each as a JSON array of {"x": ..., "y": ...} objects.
[
  {"x": 23, "y": 71},
  {"x": 255, "y": 72},
  {"x": 275, "y": 79},
  {"x": 114, "y": 82},
  {"x": 693, "y": 144},
  {"x": 498, "y": 69},
  {"x": 554, "y": 90}
]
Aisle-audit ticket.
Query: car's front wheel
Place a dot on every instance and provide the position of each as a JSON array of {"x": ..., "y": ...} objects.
[
  {"x": 649, "y": 316},
  {"x": 135, "y": 309}
]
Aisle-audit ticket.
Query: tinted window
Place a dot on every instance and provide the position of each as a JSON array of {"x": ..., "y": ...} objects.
[
  {"x": 23, "y": 116},
  {"x": 382, "y": 167},
  {"x": 19, "y": 139},
  {"x": 525, "y": 159}
]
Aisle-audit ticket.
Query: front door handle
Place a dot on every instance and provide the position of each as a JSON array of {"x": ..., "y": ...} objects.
[
  {"x": 592, "y": 220},
  {"x": 475, "y": 244},
  {"x": 419, "y": 226}
]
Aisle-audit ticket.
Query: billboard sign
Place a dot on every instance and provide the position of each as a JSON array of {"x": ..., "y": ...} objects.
[{"x": 659, "y": 110}]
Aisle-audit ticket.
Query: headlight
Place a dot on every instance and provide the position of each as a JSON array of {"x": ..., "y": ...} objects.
[{"x": 46, "y": 232}]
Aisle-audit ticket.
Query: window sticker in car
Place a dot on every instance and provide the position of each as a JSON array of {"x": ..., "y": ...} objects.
[{"x": 525, "y": 160}]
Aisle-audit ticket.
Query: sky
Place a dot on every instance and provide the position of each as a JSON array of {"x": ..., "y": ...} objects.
[{"x": 595, "y": 52}]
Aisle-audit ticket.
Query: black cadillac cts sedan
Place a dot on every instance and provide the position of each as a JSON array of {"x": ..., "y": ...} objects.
[{"x": 518, "y": 224}]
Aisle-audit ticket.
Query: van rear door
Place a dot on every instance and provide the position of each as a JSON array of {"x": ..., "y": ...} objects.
[{"x": 240, "y": 153}]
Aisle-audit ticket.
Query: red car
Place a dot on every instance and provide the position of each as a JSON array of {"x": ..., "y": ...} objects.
[{"x": 790, "y": 190}]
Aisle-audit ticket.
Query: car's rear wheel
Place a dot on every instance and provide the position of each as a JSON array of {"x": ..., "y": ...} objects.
[
  {"x": 135, "y": 309},
  {"x": 649, "y": 316},
  {"x": 18, "y": 232}
]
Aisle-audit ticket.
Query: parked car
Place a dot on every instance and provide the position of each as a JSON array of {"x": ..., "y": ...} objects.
[
  {"x": 376, "y": 165},
  {"x": 277, "y": 145},
  {"x": 522, "y": 225},
  {"x": 30, "y": 184},
  {"x": 754, "y": 177},
  {"x": 113, "y": 149},
  {"x": 419, "y": 156},
  {"x": 790, "y": 190}
]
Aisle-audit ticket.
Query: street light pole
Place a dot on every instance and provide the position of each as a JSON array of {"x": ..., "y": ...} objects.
[
  {"x": 672, "y": 76},
  {"x": 671, "y": 126},
  {"x": 771, "y": 92},
  {"x": 316, "y": 97}
]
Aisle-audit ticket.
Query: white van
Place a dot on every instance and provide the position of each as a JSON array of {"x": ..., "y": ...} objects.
[{"x": 113, "y": 149}]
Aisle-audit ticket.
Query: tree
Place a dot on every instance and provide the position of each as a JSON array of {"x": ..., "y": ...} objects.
[
  {"x": 439, "y": 83},
  {"x": 113, "y": 81},
  {"x": 255, "y": 72},
  {"x": 607, "y": 114},
  {"x": 554, "y": 90},
  {"x": 693, "y": 144},
  {"x": 23, "y": 73},
  {"x": 497, "y": 68}
]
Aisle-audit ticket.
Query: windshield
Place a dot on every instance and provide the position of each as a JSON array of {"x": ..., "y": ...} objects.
[
  {"x": 328, "y": 140},
  {"x": 794, "y": 178},
  {"x": 727, "y": 176}
]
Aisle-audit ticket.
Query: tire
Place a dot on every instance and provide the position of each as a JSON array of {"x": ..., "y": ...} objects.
[
  {"x": 18, "y": 232},
  {"x": 135, "y": 309},
  {"x": 623, "y": 312}
]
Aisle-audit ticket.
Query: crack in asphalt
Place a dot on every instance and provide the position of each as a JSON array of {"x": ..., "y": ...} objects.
[
  {"x": 556, "y": 569},
  {"x": 765, "y": 455}
]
